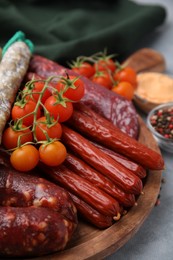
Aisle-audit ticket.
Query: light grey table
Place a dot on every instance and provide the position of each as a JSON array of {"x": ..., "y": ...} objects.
[{"x": 154, "y": 240}]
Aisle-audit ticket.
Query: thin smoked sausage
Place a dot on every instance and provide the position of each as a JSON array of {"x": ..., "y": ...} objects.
[
  {"x": 90, "y": 214},
  {"x": 81, "y": 187},
  {"x": 104, "y": 132},
  {"x": 83, "y": 169},
  {"x": 122, "y": 177},
  {"x": 126, "y": 162}
]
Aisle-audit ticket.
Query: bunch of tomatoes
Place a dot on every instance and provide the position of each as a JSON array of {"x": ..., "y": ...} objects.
[
  {"x": 35, "y": 130},
  {"x": 103, "y": 69}
]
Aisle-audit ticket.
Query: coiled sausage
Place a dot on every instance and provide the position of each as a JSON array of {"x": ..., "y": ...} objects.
[
  {"x": 32, "y": 231},
  {"x": 37, "y": 217},
  {"x": 24, "y": 190}
]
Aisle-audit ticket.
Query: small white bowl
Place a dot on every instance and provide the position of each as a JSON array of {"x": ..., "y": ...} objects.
[{"x": 164, "y": 142}]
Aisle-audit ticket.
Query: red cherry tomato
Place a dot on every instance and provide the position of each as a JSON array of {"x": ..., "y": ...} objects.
[
  {"x": 124, "y": 89},
  {"x": 84, "y": 69},
  {"x": 103, "y": 78},
  {"x": 25, "y": 158},
  {"x": 105, "y": 64},
  {"x": 52, "y": 154},
  {"x": 60, "y": 110},
  {"x": 126, "y": 74},
  {"x": 10, "y": 137},
  {"x": 24, "y": 111},
  {"x": 35, "y": 92},
  {"x": 75, "y": 88},
  {"x": 53, "y": 129}
]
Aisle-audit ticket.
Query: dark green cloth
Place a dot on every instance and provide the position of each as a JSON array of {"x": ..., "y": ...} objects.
[{"x": 63, "y": 30}]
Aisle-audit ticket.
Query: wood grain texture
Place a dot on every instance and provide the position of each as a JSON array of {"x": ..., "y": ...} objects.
[
  {"x": 143, "y": 104},
  {"x": 89, "y": 242},
  {"x": 146, "y": 59}
]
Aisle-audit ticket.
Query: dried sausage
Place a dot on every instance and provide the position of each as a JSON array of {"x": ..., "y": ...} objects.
[
  {"x": 90, "y": 214},
  {"x": 37, "y": 217},
  {"x": 13, "y": 67},
  {"x": 83, "y": 169},
  {"x": 104, "y": 132},
  {"x": 24, "y": 190},
  {"x": 129, "y": 164},
  {"x": 32, "y": 231},
  {"x": 81, "y": 187},
  {"x": 122, "y": 177}
]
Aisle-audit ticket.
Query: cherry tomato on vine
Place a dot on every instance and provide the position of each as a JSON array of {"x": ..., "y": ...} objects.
[
  {"x": 103, "y": 78},
  {"x": 25, "y": 158},
  {"x": 105, "y": 64},
  {"x": 53, "y": 129},
  {"x": 22, "y": 110},
  {"x": 52, "y": 154},
  {"x": 75, "y": 89},
  {"x": 61, "y": 110},
  {"x": 11, "y": 136},
  {"x": 35, "y": 92},
  {"x": 126, "y": 74},
  {"x": 124, "y": 89},
  {"x": 84, "y": 68}
]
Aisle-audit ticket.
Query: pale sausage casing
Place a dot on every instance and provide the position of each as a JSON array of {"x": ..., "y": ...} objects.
[{"x": 13, "y": 67}]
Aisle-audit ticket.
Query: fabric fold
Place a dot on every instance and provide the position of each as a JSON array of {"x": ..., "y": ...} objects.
[{"x": 63, "y": 31}]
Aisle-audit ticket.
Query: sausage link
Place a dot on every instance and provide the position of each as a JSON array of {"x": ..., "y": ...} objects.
[
  {"x": 110, "y": 105},
  {"x": 24, "y": 190},
  {"x": 95, "y": 197},
  {"x": 32, "y": 231},
  {"x": 99, "y": 180},
  {"x": 129, "y": 164},
  {"x": 122, "y": 177},
  {"x": 13, "y": 67},
  {"x": 90, "y": 214},
  {"x": 104, "y": 132}
]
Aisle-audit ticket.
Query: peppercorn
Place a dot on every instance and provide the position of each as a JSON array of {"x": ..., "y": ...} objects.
[{"x": 162, "y": 121}]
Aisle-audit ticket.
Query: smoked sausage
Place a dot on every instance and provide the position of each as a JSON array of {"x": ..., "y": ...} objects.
[
  {"x": 32, "y": 231},
  {"x": 90, "y": 214},
  {"x": 83, "y": 169},
  {"x": 127, "y": 163},
  {"x": 122, "y": 177},
  {"x": 104, "y": 132},
  {"x": 24, "y": 190},
  {"x": 81, "y": 187},
  {"x": 37, "y": 217}
]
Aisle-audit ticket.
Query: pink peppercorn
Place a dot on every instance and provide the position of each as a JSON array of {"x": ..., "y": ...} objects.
[{"x": 162, "y": 121}]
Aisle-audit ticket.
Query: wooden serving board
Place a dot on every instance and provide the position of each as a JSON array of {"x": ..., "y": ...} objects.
[{"x": 89, "y": 242}]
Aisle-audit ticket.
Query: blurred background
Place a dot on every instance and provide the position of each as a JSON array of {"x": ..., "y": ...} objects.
[{"x": 154, "y": 239}]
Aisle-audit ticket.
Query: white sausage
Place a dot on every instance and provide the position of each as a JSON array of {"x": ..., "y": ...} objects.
[{"x": 13, "y": 67}]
